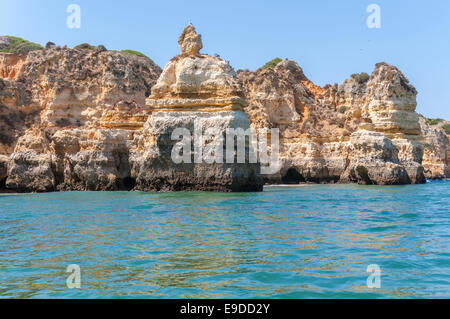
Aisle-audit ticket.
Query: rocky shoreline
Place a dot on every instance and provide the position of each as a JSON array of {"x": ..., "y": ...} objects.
[{"x": 93, "y": 119}]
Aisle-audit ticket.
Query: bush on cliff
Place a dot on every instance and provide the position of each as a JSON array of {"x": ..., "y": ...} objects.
[
  {"x": 446, "y": 128},
  {"x": 271, "y": 64},
  {"x": 342, "y": 109},
  {"x": 361, "y": 77},
  {"x": 84, "y": 46},
  {"x": 20, "y": 46},
  {"x": 434, "y": 121},
  {"x": 132, "y": 52}
]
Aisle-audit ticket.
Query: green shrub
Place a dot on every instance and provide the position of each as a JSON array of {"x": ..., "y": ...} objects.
[
  {"x": 85, "y": 46},
  {"x": 20, "y": 46},
  {"x": 101, "y": 48},
  {"x": 434, "y": 121},
  {"x": 361, "y": 77},
  {"x": 446, "y": 128},
  {"x": 342, "y": 109},
  {"x": 132, "y": 52},
  {"x": 272, "y": 63}
]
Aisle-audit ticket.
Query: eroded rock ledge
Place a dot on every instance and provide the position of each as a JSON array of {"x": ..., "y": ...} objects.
[
  {"x": 67, "y": 117},
  {"x": 194, "y": 90},
  {"x": 364, "y": 131},
  {"x": 77, "y": 119}
]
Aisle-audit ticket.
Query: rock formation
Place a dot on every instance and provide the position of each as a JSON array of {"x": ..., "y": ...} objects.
[
  {"x": 194, "y": 91},
  {"x": 190, "y": 42},
  {"x": 3, "y": 170},
  {"x": 68, "y": 115},
  {"x": 436, "y": 143},
  {"x": 93, "y": 119},
  {"x": 361, "y": 131}
]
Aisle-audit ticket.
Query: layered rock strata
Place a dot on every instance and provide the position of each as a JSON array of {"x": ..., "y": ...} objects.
[
  {"x": 92, "y": 119},
  {"x": 68, "y": 118},
  {"x": 361, "y": 131},
  {"x": 436, "y": 144},
  {"x": 195, "y": 92}
]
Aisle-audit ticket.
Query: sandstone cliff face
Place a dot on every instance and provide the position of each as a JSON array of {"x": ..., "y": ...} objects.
[
  {"x": 16, "y": 113},
  {"x": 87, "y": 124},
  {"x": 195, "y": 92},
  {"x": 74, "y": 87},
  {"x": 76, "y": 119},
  {"x": 436, "y": 156},
  {"x": 68, "y": 116},
  {"x": 11, "y": 65},
  {"x": 361, "y": 131},
  {"x": 389, "y": 109}
]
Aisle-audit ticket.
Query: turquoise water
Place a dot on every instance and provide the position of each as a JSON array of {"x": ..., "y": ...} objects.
[{"x": 311, "y": 241}]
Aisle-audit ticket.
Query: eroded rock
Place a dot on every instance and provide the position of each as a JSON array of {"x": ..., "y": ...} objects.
[
  {"x": 190, "y": 41},
  {"x": 436, "y": 144},
  {"x": 68, "y": 117},
  {"x": 194, "y": 90},
  {"x": 364, "y": 130},
  {"x": 100, "y": 120}
]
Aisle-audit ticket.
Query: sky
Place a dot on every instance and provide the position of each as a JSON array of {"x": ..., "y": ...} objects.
[{"x": 329, "y": 39}]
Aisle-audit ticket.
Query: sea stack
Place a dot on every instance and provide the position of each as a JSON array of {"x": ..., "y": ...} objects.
[
  {"x": 195, "y": 93},
  {"x": 390, "y": 130}
]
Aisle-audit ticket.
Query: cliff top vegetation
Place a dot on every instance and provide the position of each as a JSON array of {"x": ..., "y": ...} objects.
[{"x": 18, "y": 45}]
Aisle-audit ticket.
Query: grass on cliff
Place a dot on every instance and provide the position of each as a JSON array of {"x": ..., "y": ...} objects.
[
  {"x": 84, "y": 46},
  {"x": 87, "y": 46},
  {"x": 20, "y": 46},
  {"x": 361, "y": 77},
  {"x": 132, "y": 52},
  {"x": 342, "y": 109},
  {"x": 434, "y": 121},
  {"x": 446, "y": 128},
  {"x": 271, "y": 64}
]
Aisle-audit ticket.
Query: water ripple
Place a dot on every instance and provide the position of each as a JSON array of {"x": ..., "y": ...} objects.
[{"x": 309, "y": 241}]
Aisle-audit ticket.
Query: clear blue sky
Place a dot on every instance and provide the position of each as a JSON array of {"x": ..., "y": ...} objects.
[{"x": 329, "y": 39}]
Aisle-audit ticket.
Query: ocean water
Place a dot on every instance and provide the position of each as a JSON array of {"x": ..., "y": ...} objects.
[{"x": 308, "y": 241}]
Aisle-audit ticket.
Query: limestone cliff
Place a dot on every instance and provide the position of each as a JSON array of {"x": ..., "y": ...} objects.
[
  {"x": 195, "y": 92},
  {"x": 93, "y": 119},
  {"x": 67, "y": 116},
  {"x": 436, "y": 142},
  {"x": 364, "y": 130},
  {"x": 79, "y": 119}
]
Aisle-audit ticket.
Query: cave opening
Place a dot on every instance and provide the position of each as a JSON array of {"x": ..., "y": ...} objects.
[
  {"x": 292, "y": 176},
  {"x": 129, "y": 183}
]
